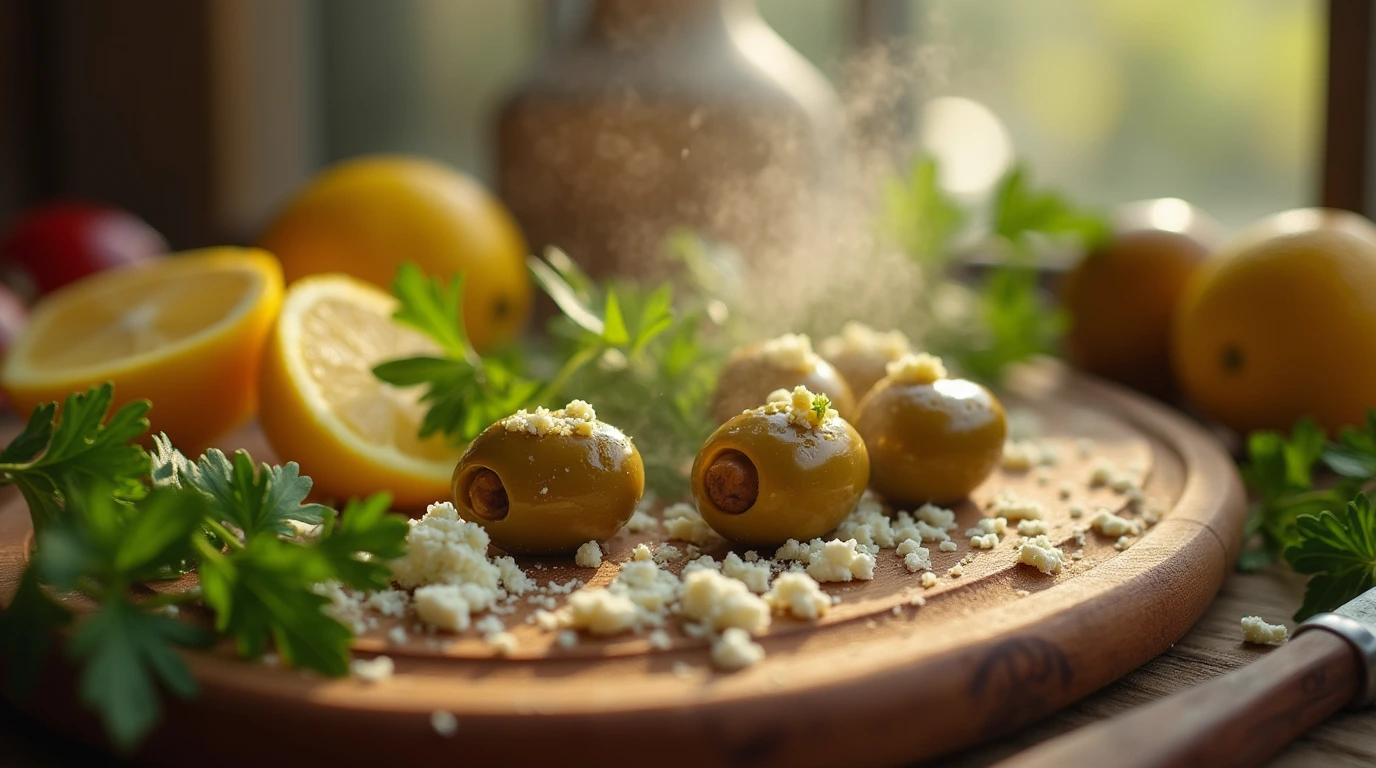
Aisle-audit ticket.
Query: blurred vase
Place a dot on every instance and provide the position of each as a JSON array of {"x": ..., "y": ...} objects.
[{"x": 664, "y": 114}]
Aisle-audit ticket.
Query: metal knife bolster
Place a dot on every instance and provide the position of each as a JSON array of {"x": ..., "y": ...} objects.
[{"x": 1354, "y": 622}]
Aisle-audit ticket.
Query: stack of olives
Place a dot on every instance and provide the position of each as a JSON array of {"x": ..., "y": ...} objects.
[{"x": 545, "y": 482}]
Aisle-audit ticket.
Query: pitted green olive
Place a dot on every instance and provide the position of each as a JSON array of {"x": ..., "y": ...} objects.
[
  {"x": 771, "y": 474},
  {"x": 930, "y": 441},
  {"x": 542, "y": 490},
  {"x": 754, "y": 371}
]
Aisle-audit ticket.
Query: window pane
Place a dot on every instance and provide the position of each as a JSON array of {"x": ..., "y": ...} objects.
[
  {"x": 1217, "y": 102},
  {"x": 423, "y": 76}
]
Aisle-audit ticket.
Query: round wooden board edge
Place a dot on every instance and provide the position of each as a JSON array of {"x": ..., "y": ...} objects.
[{"x": 1019, "y": 663}]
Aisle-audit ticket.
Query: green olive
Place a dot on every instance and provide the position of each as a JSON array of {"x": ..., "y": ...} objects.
[
  {"x": 749, "y": 376},
  {"x": 548, "y": 494},
  {"x": 931, "y": 442},
  {"x": 762, "y": 479}
]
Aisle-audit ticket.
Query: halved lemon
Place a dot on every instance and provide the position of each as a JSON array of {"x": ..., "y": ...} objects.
[
  {"x": 322, "y": 407},
  {"x": 185, "y": 332}
]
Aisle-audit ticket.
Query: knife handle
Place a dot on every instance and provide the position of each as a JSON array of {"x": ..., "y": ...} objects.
[{"x": 1237, "y": 719}]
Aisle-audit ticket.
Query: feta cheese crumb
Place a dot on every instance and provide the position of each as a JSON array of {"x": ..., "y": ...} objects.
[
  {"x": 566, "y": 639},
  {"x": 859, "y": 339},
  {"x": 1015, "y": 508},
  {"x": 988, "y": 525},
  {"x": 915, "y": 558},
  {"x": 589, "y": 555},
  {"x": 683, "y": 523},
  {"x": 659, "y": 640},
  {"x": 576, "y": 418},
  {"x": 735, "y": 650},
  {"x": 798, "y": 594},
  {"x": 721, "y": 602},
  {"x": 1020, "y": 455},
  {"x": 803, "y": 408},
  {"x": 504, "y": 643},
  {"x": 388, "y": 602},
  {"x": 987, "y": 541},
  {"x": 797, "y": 550},
  {"x": 601, "y": 612},
  {"x": 1122, "y": 543},
  {"x": 1257, "y": 631},
  {"x": 1077, "y": 511},
  {"x": 956, "y": 571},
  {"x": 450, "y": 606},
  {"x": 920, "y": 368},
  {"x": 1101, "y": 473},
  {"x": 1031, "y": 527},
  {"x": 1041, "y": 554},
  {"x": 489, "y": 625},
  {"x": 948, "y": 546},
  {"x": 666, "y": 552},
  {"x": 838, "y": 560},
  {"x": 373, "y": 670},
  {"x": 791, "y": 352},
  {"x": 641, "y": 552},
  {"x": 397, "y": 635},
  {"x": 1113, "y": 526},
  {"x": 444, "y": 723},
  {"x": 755, "y": 576},
  {"x": 928, "y": 579},
  {"x": 641, "y": 522}
]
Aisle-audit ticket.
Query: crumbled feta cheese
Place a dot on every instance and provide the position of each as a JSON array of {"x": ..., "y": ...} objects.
[
  {"x": 504, "y": 643},
  {"x": 838, "y": 560},
  {"x": 918, "y": 560},
  {"x": 937, "y": 517},
  {"x": 648, "y": 587},
  {"x": 1122, "y": 543},
  {"x": 859, "y": 339},
  {"x": 1014, "y": 507},
  {"x": 659, "y": 640},
  {"x": 956, "y": 571},
  {"x": 514, "y": 580},
  {"x": 566, "y": 639},
  {"x": 1257, "y": 631},
  {"x": 642, "y": 552},
  {"x": 489, "y": 625},
  {"x": 988, "y": 525},
  {"x": 797, "y": 550},
  {"x": 1101, "y": 473},
  {"x": 1020, "y": 455},
  {"x": 735, "y": 650},
  {"x": 802, "y": 407},
  {"x": 589, "y": 555},
  {"x": 798, "y": 594},
  {"x": 1041, "y": 554},
  {"x": 641, "y": 522},
  {"x": 721, "y": 602},
  {"x": 388, "y": 602},
  {"x": 449, "y": 606},
  {"x": 397, "y": 635},
  {"x": 444, "y": 723},
  {"x": 373, "y": 670},
  {"x": 601, "y": 612},
  {"x": 706, "y": 561},
  {"x": 683, "y": 523},
  {"x": 1077, "y": 511},
  {"x": 948, "y": 546},
  {"x": 754, "y": 575},
  {"x": 1031, "y": 527},
  {"x": 576, "y": 418},
  {"x": 928, "y": 579},
  {"x": 666, "y": 552},
  {"x": 751, "y": 556},
  {"x": 1113, "y": 526},
  {"x": 790, "y": 352},
  {"x": 444, "y": 549},
  {"x": 920, "y": 368},
  {"x": 987, "y": 541}
]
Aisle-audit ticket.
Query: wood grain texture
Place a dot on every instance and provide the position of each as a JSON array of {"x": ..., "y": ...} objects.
[{"x": 871, "y": 687}]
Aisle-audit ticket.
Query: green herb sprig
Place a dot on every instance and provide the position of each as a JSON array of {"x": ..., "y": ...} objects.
[
  {"x": 1324, "y": 531},
  {"x": 110, "y": 518}
]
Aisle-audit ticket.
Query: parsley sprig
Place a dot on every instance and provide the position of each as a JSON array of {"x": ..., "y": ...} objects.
[
  {"x": 111, "y": 518},
  {"x": 1326, "y": 531},
  {"x": 646, "y": 364}
]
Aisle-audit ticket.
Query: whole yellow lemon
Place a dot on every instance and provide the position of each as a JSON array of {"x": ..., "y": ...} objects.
[
  {"x": 1281, "y": 324},
  {"x": 368, "y": 215}
]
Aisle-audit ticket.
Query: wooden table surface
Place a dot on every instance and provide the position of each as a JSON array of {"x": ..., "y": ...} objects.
[{"x": 1211, "y": 648}]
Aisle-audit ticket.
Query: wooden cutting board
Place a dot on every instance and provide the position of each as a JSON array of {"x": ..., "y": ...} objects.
[{"x": 878, "y": 681}]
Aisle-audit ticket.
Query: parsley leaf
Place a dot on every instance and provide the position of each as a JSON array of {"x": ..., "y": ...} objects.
[
  {"x": 464, "y": 392},
  {"x": 127, "y": 653},
  {"x": 923, "y": 218},
  {"x": 50, "y": 452},
  {"x": 364, "y": 526},
  {"x": 1020, "y": 211},
  {"x": 1340, "y": 550},
  {"x": 1354, "y": 454},
  {"x": 264, "y": 591},
  {"x": 1280, "y": 472},
  {"x": 253, "y": 500},
  {"x": 1016, "y": 320}
]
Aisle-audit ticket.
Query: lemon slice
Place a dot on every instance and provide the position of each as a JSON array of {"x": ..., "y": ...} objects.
[
  {"x": 185, "y": 332},
  {"x": 322, "y": 407}
]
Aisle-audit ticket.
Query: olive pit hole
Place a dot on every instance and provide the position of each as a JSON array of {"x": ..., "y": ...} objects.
[
  {"x": 487, "y": 496},
  {"x": 732, "y": 483}
]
